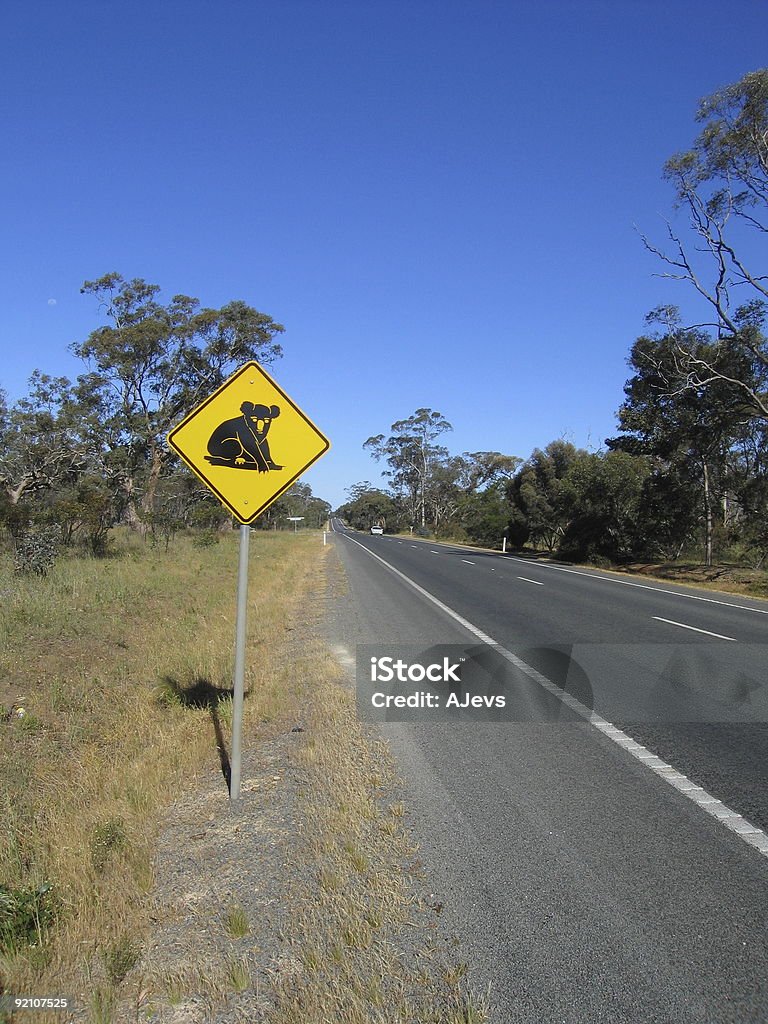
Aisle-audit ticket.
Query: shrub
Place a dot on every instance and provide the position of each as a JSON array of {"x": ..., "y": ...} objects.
[
  {"x": 206, "y": 538},
  {"x": 15, "y": 518},
  {"x": 24, "y": 915},
  {"x": 108, "y": 838},
  {"x": 86, "y": 510},
  {"x": 36, "y": 550},
  {"x": 119, "y": 958},
  {"x": 208, "y": 515}
]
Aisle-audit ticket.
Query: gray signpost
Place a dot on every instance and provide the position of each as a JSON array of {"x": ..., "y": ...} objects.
[
  {"x": 238, "y": 688},
  {"x": 295, "y": 520}
]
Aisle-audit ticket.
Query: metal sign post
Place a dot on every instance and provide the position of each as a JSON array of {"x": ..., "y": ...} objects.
[{"x": 239, "y": 678}]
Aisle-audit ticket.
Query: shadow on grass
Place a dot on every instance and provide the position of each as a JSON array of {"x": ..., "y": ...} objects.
[{"x": 202, "y": 694}]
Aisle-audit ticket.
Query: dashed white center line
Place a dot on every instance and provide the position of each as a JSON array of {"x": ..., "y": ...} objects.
[
  {"x": 526, "y": 580},
  {"x": 414, "y": 545},
  {"x": 696, "y": 629},
  {"x": 468, "y": 561},
  {"x": 434, "y": 552}
]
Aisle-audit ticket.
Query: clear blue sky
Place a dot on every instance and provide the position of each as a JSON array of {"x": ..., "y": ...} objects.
[{"x": 436, "y": 198}]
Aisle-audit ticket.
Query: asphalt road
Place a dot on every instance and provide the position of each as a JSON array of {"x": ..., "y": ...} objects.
[{"x": 589, "y": 879}]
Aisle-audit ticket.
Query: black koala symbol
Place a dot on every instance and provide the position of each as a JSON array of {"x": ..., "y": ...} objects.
[{"x": 242, "y": 442}]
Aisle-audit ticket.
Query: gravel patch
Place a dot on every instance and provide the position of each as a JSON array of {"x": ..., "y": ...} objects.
[{"x": 210, "y": 861}]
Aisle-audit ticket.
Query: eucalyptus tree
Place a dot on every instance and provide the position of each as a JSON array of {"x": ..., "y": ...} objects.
[
  {"x": 605, "y": 492},
  {"x": 149, "y": 365},
  {"x": 722, "y": 183},
  {"x": 484, "y": 514},
  {"x": 688, "y": 430},
  {"x": 748, "y": 479},
  {"x": 298, "y": 500},
  {"x": 370, "y": 506},
  {"x": 477, "y": 470},
  {"x": 413, "y": 458},
  {"x": 541, "y": 503},
  {"x": 39, "y": 447}
]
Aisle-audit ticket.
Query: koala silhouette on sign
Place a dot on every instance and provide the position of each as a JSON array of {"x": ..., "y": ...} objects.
[{"x": 242, "y": 441}]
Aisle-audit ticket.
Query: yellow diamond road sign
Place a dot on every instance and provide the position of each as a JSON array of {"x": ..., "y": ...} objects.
[{"x": 248, "y": 442}]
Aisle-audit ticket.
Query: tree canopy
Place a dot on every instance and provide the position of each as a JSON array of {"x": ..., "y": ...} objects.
[
  {"x": 149, "y": 365},
  {"x": 89, "y": 453},
  {"x": 722, "y": 183},
  {"x": 412, "y": 455}
]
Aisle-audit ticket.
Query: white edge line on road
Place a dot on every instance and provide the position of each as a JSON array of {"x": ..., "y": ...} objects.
[
  {"x": 526, "y": 580},
  {"x": 623, "y": 583},
  {"x": 468, "y": 561},
  {"x": 696, "y": 629},
  {"x": 642, "y": 586},
  {"x": 734, "y": 822}
]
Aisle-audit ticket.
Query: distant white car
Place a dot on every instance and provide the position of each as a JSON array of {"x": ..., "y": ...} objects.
[{"x": 377, "y": 529}]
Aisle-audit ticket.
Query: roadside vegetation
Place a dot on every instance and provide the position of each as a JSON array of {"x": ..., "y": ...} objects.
[
  {"x": 114, "y": 704},
  {"x": 114, "y": 686},
  {"x": 79, "y": 457},
  {"x": 368, "y": 940},
  {"x": 117, "y": 573}
]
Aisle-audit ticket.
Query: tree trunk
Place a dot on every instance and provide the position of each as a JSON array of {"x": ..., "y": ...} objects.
[
  {"x": 156, "y": 468},
  {"x": 708, "y": 517},
  {"x": 14, "y": 493},
  {"x": 132, "y": 517},
  {"x": 424, "y": 488}
]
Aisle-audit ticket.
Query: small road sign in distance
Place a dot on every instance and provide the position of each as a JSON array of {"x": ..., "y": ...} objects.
[{"x": 248, "y": 442}]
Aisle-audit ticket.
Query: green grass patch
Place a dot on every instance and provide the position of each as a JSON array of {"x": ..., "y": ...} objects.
[
  {"x": 26, "y": 914},
  {"x": 236, "y": 922}
]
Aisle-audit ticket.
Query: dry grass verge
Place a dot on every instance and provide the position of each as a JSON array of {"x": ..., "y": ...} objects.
[
  {"x": 114, "y": 680},
  {"x": 367, "y": 942},
  {"x": 724, "y": 578},
  {"x": 306, "y": 905}
]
